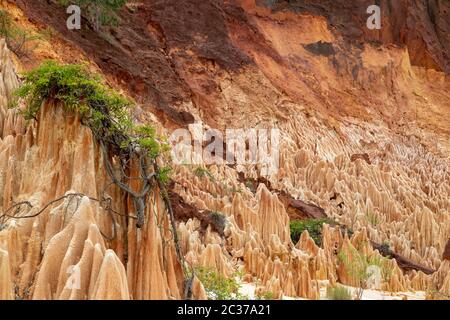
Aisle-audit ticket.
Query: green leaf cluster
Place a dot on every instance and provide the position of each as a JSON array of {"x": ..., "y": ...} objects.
[
  {"x": 314, "y": 227},
  {"x": 338, "y": 292},
  {"x": 76, "y": 88},
  {"x": 104, "y": 110}
]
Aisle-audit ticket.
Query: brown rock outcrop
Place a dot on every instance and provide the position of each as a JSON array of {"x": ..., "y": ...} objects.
[{"x": 446, "y": 254}]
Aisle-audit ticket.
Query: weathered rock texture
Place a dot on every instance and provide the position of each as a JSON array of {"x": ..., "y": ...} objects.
[
  {"x": 446, "y": 255},
  {"x": 366, "y": 137},
  {"x": 61, "y": 253}
]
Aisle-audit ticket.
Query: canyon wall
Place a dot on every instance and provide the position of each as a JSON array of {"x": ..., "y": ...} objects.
[
  {"x": 365, "y": 136},
  {"x": 55, "y": 237}
]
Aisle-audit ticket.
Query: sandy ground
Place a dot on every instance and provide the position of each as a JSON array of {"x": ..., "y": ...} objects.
[{"x": 248, "y": 289}]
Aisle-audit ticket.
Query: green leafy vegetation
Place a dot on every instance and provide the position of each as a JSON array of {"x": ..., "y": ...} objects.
[
  {"x": 107, "y": 114},
  {"x": 373, "y": 219},
  {"x": 217, "y": 286},
  {"x": 99, "y": 12},
  {"x": 268, "y": 295},
  {"x": 250, "y": 186},
  {"x": 205, "y": 173},
  {"x": 164, "y": 175},
  {"x": 385, "y": 250},
  {"x": 361, "y": 268},
  {"x": 104, "y": 110},
  {"x": 124, "y": 145},
  {"x": 435, "y": 294},
  {"x": 19, "y": 40},
  {"x": 314, "y": 227},
  {"x": 338, "y": 293}
]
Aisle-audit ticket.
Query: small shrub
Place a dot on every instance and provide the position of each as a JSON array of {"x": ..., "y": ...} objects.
[
  {"x": 18, "y": 39},
  {"x": 202, "y": 172},
  {"x": 104, "y": 110},
  {"x": 265, "y": 296},
  {"x": 373, "y": 219},
  {"x": 361, "y": 267},
  {"x": 435, "y": 294},
  {"x": 217, "y": 286},
  {"x": 146, "y": 138},
  {"x": 385, "y": 249},
  {"x": 99, "y": 12},
  {"x": 234, "y": 190},
  {"x": 48, "y": 33},
  {"x": 219, "y": 221},
  {"x": 249, "y": 184},
  {"x": 164, "y": 175},
  {"x": 338, "y": 293},
  {"x": 314, "y": 227},
  {"x": 107, "y": 115}
]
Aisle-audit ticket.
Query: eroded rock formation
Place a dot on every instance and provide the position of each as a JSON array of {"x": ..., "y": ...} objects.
[
  {"x": 59, "y": 251},
  {"x": 365, "y": 142}
]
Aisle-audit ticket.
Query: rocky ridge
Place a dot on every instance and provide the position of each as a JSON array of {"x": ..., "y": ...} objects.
[{"x": 399, "y": 197}]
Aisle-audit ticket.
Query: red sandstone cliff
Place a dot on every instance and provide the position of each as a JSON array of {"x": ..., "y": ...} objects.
[{"x": 310, "y": 68}]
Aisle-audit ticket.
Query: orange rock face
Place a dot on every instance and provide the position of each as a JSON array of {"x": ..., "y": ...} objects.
[{"x": 363, "y": 116}]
